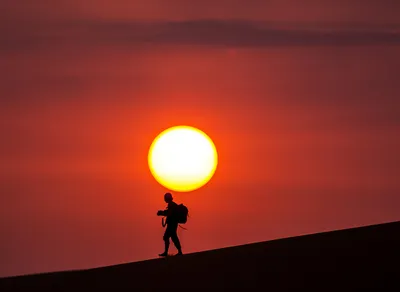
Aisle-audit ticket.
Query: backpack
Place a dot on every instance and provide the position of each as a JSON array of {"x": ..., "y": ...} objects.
[{"x": 182, "y": 213}]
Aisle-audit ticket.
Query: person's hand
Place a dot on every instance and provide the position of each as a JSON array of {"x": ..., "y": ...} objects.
[{"x": 159, "y": 213}]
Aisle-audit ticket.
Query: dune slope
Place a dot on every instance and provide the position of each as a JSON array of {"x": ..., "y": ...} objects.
[{"x": 353, "y": 259}]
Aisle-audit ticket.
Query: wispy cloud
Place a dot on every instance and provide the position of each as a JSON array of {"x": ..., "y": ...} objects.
[{"x": 219, "y": 33}]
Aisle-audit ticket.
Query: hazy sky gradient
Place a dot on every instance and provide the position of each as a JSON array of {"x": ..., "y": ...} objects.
[{"x": 301, "y": 100}]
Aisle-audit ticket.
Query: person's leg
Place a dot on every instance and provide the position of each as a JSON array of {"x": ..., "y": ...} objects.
[
  {"x": 175, "y": 239},
  {"x": 166, "y": 242}
]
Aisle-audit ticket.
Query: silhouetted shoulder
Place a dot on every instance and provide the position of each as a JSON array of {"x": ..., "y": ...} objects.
[{"x": 172, "y": 205}]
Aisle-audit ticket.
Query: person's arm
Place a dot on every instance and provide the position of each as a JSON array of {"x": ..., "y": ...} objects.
[{"x": 162, "y": 212}]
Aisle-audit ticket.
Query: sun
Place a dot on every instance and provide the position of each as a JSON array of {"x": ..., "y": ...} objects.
[{"x": 182, "y": 158}]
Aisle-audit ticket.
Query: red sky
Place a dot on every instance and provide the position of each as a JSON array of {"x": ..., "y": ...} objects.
[{"x": 302, "y": 102}]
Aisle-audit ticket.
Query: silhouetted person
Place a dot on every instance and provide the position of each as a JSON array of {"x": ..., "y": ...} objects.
[{"x": 171, "y": 223}]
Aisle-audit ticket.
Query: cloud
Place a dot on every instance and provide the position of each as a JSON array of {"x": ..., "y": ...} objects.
[{"x": 216, "y": 33}]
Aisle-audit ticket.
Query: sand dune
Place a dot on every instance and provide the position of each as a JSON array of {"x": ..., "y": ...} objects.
[{"x": 357, "y": 259}]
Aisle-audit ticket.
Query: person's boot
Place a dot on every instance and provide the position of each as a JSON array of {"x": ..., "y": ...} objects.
[
  {"x": 179, "y": 253},
  {"x": 164, "y": 254}
]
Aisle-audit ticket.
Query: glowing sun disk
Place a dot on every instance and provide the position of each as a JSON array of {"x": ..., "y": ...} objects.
[{"x": 182, "y": 158}]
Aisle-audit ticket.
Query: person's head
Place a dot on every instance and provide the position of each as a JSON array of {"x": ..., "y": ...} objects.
[{"x": 168, "y": 197}]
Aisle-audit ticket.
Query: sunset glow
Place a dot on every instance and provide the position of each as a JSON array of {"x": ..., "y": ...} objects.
[{"x": 267, "y": 119}]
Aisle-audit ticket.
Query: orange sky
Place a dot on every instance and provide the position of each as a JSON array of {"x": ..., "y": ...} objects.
[{"x": 306, "y": 126}]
